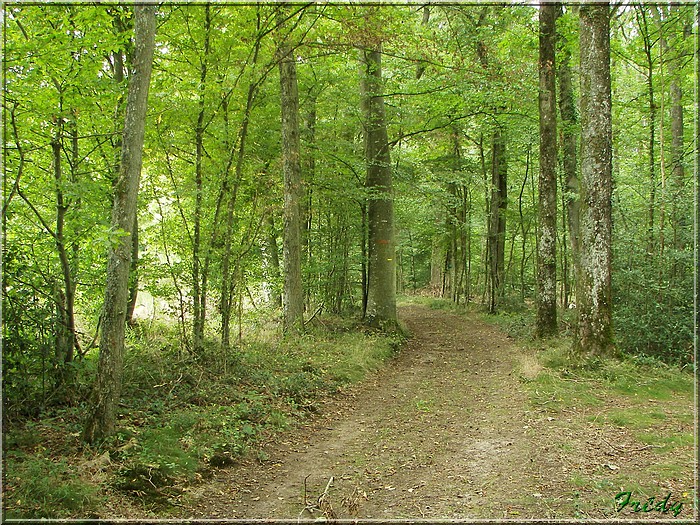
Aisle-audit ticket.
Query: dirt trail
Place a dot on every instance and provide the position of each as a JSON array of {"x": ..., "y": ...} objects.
[
  {"x": 441, "y": 432},
  {"x": 444, "y": 431}
]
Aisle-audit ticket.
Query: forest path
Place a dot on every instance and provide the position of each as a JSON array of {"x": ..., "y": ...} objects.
[{"x": 443, "y": 431}]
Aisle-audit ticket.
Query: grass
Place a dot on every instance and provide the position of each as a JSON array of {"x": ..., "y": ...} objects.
[
  {"x": 181, "y": 416},
  {"x": 48, "y": 487},
  {"x": 643, "y": 407},
  {"x": 647, "y": 402}
]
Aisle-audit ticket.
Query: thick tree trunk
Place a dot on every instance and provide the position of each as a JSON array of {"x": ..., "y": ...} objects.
[
  {"x": 546, "y": 323},
  {"x": 293, "y": 297},
  {"x": 102, "y": 413},
  {"x": 381, "y": 298},
  {"x": 594, "y": 334}
]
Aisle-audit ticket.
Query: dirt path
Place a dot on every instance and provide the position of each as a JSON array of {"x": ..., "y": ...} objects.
[{"x": 444, "y": 431}]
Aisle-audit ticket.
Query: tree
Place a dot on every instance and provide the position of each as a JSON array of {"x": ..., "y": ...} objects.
[
  {"x": 546, "y": 323},
  {"x": 594, "y": 334},
  {"x": 569, "y": 138},
  {"x": 498, "y": 204},
  {"x": 293, "y": 295},
  {"x": 107, "y": 387},
  {"x": 381, "y": 292}
]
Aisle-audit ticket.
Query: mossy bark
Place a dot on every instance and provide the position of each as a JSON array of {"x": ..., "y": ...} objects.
[
  {"x": 594, "y": 333},
  {"x": 293, "y": 297},
  {"x": 381, "y": 293},
  {"x": 546, "y": 324}
]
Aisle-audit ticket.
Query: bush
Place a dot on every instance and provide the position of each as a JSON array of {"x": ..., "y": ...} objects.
[{"x": 653, "y": 319}]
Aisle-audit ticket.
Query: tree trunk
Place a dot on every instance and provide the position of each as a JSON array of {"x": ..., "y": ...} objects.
[
  {"x": 594, "y": 334},
  {"x": 133, "y": 273},
  {"x": 381, "y": 299},
  {"x": 227, "y": 276},
  {"x": 546, "y": 323},
  {"x": 648, "y": 51},
  {"x": 293, "y": 297},
  {"x": 102, "y": 414},
  {"x": 272, "y": 263},
  {"x": 199, "y": 292},
  {"x": 65, "y": 301},
  {"x": 569, "y": 125},
  {"x": 678, "y": 219},
  {"x": 497, "y": 219},
  {"x": 365, "y": 257}
]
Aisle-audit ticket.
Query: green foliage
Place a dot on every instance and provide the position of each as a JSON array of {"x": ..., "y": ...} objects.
[
  {"x": 652, "y": 319},
  {"x": 183, "y": 416},
  {"x": 209, "y": 199}
]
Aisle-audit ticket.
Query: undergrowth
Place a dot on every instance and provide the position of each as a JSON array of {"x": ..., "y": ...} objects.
[{"x": 181, "y": 416}]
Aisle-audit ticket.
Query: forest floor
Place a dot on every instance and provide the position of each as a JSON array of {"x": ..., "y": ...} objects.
[{"x": 456, "y": 427}]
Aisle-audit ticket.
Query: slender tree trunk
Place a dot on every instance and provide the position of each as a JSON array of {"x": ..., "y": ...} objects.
[
  {"x": 381, "y": 300},
  {"x": 569, "y": 133},
  {"x": 66, "y": 341},
  {"x": 293, "y": 297},
  {"x": 227, "y": 276},
  {"x": 273, "y": 262},
  {"x": 199, "y": 299},
  {"x": 309, "y": 171},
  {"x": 678, "y": 221},
  {"x": 133, "y": 273},
  {"x": 497, "y": 221},
  {"x": 546, "y": 323},
  {"x": 594, "y": 333},
  {"x": 102, "y": 412},
  {"x": 642, "y": 23},
  {"x": 523, "y": 230}
]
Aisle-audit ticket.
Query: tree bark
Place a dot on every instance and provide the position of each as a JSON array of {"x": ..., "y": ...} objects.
[
  {"x": 199, "y": 291},
  {"x": 678, "y": 182},
  {"x": 381, "y": 290},
  {"x": 594, "y": 333},
  {"x": 497, "y": 218},
  {"x": 546, "y": 323},
  {"x": 569, "y": 132},
  {"x": 102, "y": 412},
  {"x": 293, "y": 295},
  {"x": 272, "y": 263}
]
